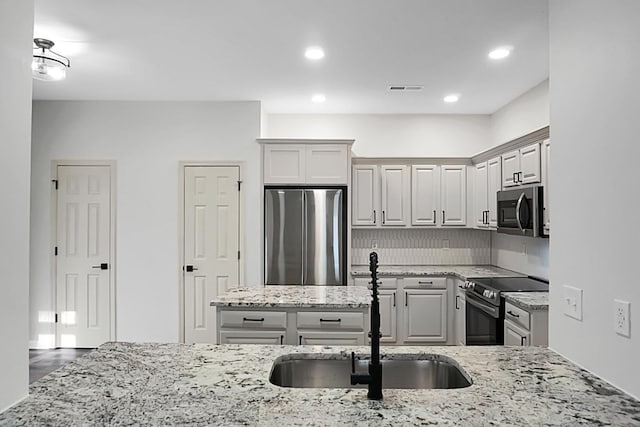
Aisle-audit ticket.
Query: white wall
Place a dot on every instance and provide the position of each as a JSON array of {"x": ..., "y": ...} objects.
[
  {"x": 16, "y": 24},
  {"x": 147, "y": 140},
  {"x": 595, "y": 100},
  {"x": 526, "y": 255},
  {"x": 523, "y": 115},
  {"x": 391, "y": 135}
]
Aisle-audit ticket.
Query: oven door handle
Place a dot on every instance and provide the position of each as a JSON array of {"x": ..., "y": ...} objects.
[
  {"x": 492, "y": 311},
  {"x": 520, "y": 199}
]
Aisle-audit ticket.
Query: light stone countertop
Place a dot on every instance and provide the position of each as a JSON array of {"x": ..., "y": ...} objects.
[
  {"x": 175, "y": 384},
  {"x": 529, "y": 300},
  {"x": 296, "y": 297},
  {"x": 463, "y": 272}
]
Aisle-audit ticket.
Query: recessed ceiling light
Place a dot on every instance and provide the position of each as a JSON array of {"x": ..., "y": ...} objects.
[
  {"x": 500, "y": 53},
  {"x": 314, "y": 52},
  {"x": 451, "y": 98},
  {"x": 318, "y": 98}
]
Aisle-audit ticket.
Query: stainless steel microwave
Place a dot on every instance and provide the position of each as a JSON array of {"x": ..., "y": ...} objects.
[{"x": 520, "y": 211}]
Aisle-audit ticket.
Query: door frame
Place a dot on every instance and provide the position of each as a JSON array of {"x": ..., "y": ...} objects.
[
  {"x": 112, "y": 236},
  {"x": 241, "y": 215}
]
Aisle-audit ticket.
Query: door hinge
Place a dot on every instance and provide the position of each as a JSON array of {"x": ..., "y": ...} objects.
[
  {"x": 55, "y": 251},
  {"x": 239, "y": 185},
  {"x": 238, "y": 254},
  {"x": 56, "y": 320},
  {"x": 55, "y": 181}
]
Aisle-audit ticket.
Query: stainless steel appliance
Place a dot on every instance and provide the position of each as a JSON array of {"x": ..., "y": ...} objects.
[
  {"x": 520, "y": 211},
  {"x": 305, "y": 236},
  {"x": 485, "y": 305}
]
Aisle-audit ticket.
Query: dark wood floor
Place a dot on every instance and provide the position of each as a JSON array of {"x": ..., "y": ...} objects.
[{"x": 42, "y": 362}]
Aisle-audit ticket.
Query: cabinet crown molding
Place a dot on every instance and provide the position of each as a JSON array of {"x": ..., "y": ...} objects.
[
  {"x": 304, "y": 141},
  {"x": 530, "y": 138}
]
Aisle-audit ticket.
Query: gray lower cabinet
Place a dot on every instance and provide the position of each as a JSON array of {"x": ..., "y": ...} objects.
[
  {"x": 413, "y": 310},
  {"x": 524, "y": 327},
  {"x": 425, "y": 316},
  {"x": 292, "y": 326}
]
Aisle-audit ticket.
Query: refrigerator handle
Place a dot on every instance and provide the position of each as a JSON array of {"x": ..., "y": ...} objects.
[{"x": 304, "y": 238}]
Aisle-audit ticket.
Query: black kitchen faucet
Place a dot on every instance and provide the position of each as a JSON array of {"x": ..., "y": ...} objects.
[{"x": 374, "y": 377}]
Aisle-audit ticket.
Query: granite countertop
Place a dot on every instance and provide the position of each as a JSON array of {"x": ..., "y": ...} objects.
[
  {"x": 529, "y": 300},
  {"x": 175, "y": 384},
  {"x": 296, "y": 297},
  {"x": 463, "y": 272}
]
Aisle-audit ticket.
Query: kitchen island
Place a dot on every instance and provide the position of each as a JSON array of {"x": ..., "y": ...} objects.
[
  {"x": 201, "y": 384},
  {"x": 313, "y": 315}
]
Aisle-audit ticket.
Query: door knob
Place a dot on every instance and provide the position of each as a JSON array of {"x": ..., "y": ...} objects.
[
  {"x": 190, "y": 268},
  {"x": 103, "y": 266}
]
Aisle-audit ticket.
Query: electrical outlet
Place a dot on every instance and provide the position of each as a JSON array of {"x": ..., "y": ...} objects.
[
  {"x": 621, "y": 320},
  {"x": 374, "y": 244},
  {"x": 572, "y": 302},
  {"x": 445, "y": 243}
]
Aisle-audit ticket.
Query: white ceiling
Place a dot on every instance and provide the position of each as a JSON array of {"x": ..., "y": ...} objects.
[{"x": 254, "y": 50}]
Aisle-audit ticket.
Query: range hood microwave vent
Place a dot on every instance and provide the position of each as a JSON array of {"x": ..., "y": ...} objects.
[{"x": 405, "y": 88}]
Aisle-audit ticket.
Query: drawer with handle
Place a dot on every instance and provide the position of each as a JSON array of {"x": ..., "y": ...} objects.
[
  {"x": 330, "y": 320},
  {"x": 253, "y": 319},
  {"x": 517, "y": 315},
  {"x": 425, "y": 282}
]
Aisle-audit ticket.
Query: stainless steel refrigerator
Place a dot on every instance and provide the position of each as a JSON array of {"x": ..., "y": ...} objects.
[{"x": 305, "y": 236}]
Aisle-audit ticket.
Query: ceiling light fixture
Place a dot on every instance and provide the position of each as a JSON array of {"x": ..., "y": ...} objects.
[
  {"x": 318, "y": 98},
  {"x": 500, "y": 53},
  {"x": 314, "y": 53},
  {"x": 451, "y": 98},
  {"x": 48, "y": 65}
]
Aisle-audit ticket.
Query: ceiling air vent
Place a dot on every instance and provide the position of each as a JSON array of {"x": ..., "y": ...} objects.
[{"x": 405, "y": 88}]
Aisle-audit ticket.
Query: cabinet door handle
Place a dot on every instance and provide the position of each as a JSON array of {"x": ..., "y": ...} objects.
[
  {"x": 331, "y": 320},
  {"x": 374, "y": 216},
  {"x": 394, "y": 299},
  {"x": 457, "y": 299},
  {"x": 523, "y": 340},
  {"x": 248, "y": 319},
  {"x": 406, "y": 298},
  {"x": 421, "y": 282},
  {"x": 520, "y": 177},
  {"x": 515, "y": 180},
  {"x": 443, "y": 217},
  {"x": 300, "y": 339},
  {"x": 513, "y": 314},
  {"x": 434, "y": 216},
  {"x": 281, "y": 339},
  {"x": 383, "y": 217}
]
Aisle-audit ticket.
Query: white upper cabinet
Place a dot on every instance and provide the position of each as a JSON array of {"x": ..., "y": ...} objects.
[
  {"x": 284, "y": 164},
  {"x": 366, "y": 194},
  {"x": 546, "y": 157},
  {"x": 395, "y": 195},
  {"x": 306, "y": 163},
  {"x": 453, "y": 194},
  {"x": 425, "y": 194},
  {"x": 521, "y": 166},
  {"x": 380, "y": 195},
  {"x": 486, "y": 184},
  {"x": 327, "y": 164},
  {"x": 480, "y": 199},
  {"x": 494, "y": 184}
]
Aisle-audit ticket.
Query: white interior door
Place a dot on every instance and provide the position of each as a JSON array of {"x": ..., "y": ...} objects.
[
  {"x": 211, "y": 244},
  {"x": 83, "y": 264}
]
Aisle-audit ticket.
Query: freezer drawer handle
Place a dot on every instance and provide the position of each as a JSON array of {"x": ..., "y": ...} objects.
[
  {"x": 248, "y": 319},
  {"x": 331, "y": 320}
]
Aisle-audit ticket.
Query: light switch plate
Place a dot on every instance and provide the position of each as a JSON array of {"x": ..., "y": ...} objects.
[
  {"x": 621, "y": 319},
  {"x": 572, "y": 302}
]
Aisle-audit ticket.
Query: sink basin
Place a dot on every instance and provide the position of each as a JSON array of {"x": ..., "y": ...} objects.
[{"x": 422, "y": 371}]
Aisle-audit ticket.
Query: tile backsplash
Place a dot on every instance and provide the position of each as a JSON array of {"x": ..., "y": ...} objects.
[{"x": 421, "y": 246}]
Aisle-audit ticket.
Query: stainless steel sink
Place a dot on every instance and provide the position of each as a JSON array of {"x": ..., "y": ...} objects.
[{"x": 333, "y": 371}]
